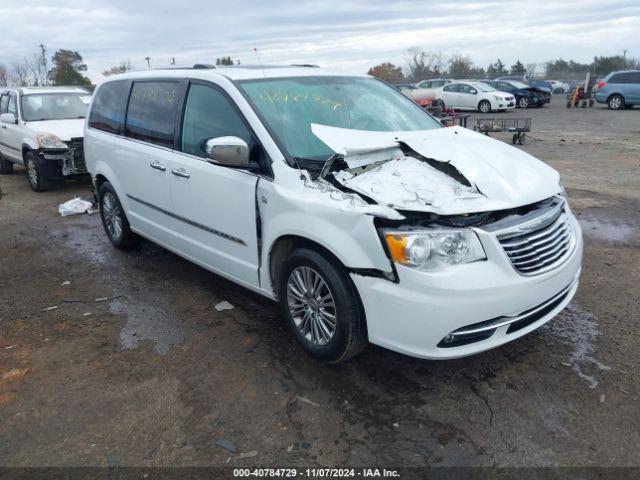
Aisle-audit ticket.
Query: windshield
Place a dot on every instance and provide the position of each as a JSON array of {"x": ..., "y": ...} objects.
[
  {"x": 54, "y": 106},
  {"x": 517, "y": 84},
  {"x": 483, "y": 87},
  {"x": 288, "y": 107}
]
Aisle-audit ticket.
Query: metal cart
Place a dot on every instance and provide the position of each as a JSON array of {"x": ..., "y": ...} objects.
[{"x": 518, "y": 126}]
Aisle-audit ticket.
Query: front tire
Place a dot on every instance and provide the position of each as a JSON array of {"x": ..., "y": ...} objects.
[
  {"x": 6, "y": 167},
  {"x": 35, "y": 175},
  {"x": 321, "y": 306},
  {"x": 615, "y": 102},
  {"x": 524, "y": 102},
  {"x": 114, "y": 220},
  {"x": 484, "y": 106}
]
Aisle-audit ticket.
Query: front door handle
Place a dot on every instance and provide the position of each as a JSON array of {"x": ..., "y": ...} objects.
[
  {"x": 180, "y": 172},
  {"x": 158, "y": 166}
]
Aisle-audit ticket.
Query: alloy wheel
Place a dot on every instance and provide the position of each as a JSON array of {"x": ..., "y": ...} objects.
[
  {"x": 32, "y": 173},
  {"x": 485, "y": 107},
  {"x": 311, "y": 305},
  {"x": 112, "y": 216},
  {"x": 615, "y": 103}
]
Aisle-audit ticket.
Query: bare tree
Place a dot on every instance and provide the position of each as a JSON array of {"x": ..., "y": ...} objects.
[
  {"x": 120, "y": 68},
  {"x": 421, "y": 64},
  {"x": 4, "y": 75}
]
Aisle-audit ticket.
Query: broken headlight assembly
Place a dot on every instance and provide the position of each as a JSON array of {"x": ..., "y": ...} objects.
[
  {"x": 434, "y": 250},
  {"x": 50, "y": 141}
]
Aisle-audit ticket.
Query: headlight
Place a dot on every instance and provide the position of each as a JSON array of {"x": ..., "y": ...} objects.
[
  {"x": 49, "y": 140},
  {"x": 434, "y": 250},
  {"x": 497, "y": 97}
]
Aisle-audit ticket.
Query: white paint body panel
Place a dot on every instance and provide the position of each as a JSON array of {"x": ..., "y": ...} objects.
[{"x": 409, "y": 316}]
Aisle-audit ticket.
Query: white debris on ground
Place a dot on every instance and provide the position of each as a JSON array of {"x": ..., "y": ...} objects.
[
  {"x": 224, "y": 305},
  {"x": 75, "y": 206},
  {"x": 407, "y": 182}
]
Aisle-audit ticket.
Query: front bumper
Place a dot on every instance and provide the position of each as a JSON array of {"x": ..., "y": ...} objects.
[{"x": 416, "y": 314}]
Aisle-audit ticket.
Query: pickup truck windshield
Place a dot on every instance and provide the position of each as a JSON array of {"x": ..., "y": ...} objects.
[
  {"x": 55, "y": 106},
  {"x": 288, "y": 107}
]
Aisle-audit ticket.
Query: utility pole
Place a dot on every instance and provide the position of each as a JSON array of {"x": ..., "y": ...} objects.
[
  {"x": 148, "y": 59},
  {"x": 43, "y": 49}
]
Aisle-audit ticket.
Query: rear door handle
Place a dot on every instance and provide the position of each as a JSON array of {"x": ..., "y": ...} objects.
[
  {"x": 158, "y": 166},
  {"x": 180, "y": 172}
]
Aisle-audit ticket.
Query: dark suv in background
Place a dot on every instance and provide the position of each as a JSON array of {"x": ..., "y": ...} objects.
[{"x": 619, "y": 89}]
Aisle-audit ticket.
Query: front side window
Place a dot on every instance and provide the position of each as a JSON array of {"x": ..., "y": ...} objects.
[
  {"x": 13, "y": 105},
  {"x": 208, "y": 114},
  {"x": 452, "y": 88},
  {"x": 109, "y": 105},
  {"x": 4, "y": 103},
  {"x": 464, "y": 88},
  {"x": 289, "y": 106},
  {"x": 151, "y": 113},
  {"x": 54, "y": 106}
]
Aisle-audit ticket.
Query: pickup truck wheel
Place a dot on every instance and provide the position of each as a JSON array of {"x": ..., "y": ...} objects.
[
  {"x": 484, "y": 106},
  {"x": 615, "y": 102},
  {"x": 321, "y": 306},
  {"x": 114, "y": 220},
  {"x": 6, "y": 167},
  {"x": 524, "y": 102},
  {"x": 33, "y": 164}
]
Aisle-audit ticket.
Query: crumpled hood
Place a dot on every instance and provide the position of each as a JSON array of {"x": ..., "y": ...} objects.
[
  {"x": 501, "y": 176},
  {"x": 65, "y": 130}
]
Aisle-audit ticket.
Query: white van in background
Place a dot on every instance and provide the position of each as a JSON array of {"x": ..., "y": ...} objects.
[{"x": 340, "y": 198}]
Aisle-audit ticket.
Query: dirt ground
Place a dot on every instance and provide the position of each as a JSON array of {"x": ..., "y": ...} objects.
[{"x": 135, "y": 366}]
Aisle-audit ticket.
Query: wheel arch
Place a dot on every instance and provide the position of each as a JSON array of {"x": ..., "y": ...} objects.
[{"x": 285, "y": 244}]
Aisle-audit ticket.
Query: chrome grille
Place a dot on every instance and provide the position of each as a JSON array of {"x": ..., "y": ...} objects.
[{"x": 540, "y": 249}]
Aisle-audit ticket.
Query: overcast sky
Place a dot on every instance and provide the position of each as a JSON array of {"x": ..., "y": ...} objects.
[{"x": 346, "y": 35}]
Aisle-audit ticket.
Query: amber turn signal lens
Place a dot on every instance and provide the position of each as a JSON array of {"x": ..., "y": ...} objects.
[{"x": 397, "y": 247}]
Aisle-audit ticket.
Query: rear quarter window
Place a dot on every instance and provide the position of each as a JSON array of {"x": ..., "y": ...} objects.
[
  {"x": 151, "y": 113},
  {"x": 109, "y": 104}
]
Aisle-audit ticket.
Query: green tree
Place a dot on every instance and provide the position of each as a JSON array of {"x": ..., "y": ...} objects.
[
  {"x": 388, "y": 72},
  {"x": 496, "y": 69},
  {"x": 224, "y": 61},
  {"x": 518, "y": 68},
  {"x": 604, "y": 65},
  {"x": 67, "y": 65}
]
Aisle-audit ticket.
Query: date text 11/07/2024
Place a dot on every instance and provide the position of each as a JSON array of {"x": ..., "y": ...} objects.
[{"x": 315, "y": 473}]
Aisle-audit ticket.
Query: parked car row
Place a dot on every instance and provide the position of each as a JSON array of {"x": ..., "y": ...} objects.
[{"x": 334, "y": 195}]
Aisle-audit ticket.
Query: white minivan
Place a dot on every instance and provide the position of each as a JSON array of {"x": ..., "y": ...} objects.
[{"x": 341, "y": 199}]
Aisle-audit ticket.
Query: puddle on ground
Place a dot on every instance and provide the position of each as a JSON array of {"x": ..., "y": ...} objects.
[
  {"x": 152, "y": 320},
  {"x": 578, "y": 329},
  {"x": 607, "y": 231}
]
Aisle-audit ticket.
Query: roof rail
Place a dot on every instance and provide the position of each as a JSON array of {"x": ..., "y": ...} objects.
[
  {"x": 307, "y": 65},
  {"x": 203, "y": 66}
]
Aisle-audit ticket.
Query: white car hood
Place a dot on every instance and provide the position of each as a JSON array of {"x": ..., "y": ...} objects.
[
  {"x": 498, "y": 175},
  {"x": 65, "y": 130}
]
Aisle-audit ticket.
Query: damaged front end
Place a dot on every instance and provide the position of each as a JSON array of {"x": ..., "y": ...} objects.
[{"x": 62, "y": 162}]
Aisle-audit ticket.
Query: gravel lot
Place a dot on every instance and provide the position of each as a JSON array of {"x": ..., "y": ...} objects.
[{"x": 135, "y": 366}]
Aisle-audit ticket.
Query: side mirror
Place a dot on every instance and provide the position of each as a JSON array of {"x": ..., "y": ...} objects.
[
  {"x": 8, "y": 118},
  {"x": 229, "y": 151},
  {"x": 473, "y": 92}
]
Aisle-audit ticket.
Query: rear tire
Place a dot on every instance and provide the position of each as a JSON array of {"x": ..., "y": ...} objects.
[
  {"x": 484, "y": 106},
  {"x": 6, "y": 167},
  {"x": 114, "y": 220},
  {"x": 321, "y": 306},
  {"x": 33, "y": 164},
  {"x": 615, "y": 102}
]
